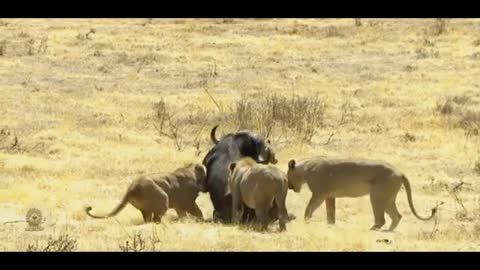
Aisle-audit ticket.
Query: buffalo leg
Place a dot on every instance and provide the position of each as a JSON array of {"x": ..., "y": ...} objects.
[
  {"x": 330, "y": 205},
  {"x": 248, "y": 215},
  {"x": 222, "y": 208}
]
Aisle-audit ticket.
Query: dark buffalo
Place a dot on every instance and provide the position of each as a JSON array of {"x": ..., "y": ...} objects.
[{"x": 231, "y": 148}]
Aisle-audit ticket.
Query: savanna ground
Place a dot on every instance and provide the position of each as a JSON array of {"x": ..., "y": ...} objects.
[{"x": 88, "y": 105}]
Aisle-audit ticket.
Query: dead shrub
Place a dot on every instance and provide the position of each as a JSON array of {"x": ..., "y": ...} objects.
[
  {"x": 476, "y": 230},
  {"x": 63, "y": 243},
  {"x": 461, "y": 115},
  {"x": 301, "y": 115},
  {"x": 146, "y": 60},
  {"x": 461, "y": 213},
  {"x": 9, "y": 141},
  {"x": 423, "y": 53},
  {"x": 97, "y": 53},
  {"x": 266, "y": 115},
  {"x": 136, "y": 245},
  {"x": 434, "y": 186},
  {"x": 438, "y": 27},
  {"x": 476, "y": 167},
  {"x": 409, "y": 68},
  {"x": 85, "y": 36},
  {"x": 347, "y": 111},
  {"x": 444, "y": 107},
  {"x": 228, "y": 21},
  {"x": 469, "y": 119},
  {"x": 184, "y": 128},
  {"x": 333, "y": 31},
  {"x": 428, "y": 43},
  {"x": 42, "y": 48},
  {"x": 23, "y": 45},
  {"x": 148, "y": 21},
  {"x": 3, "y": 47},
  {"x": 408, "y": 137},
  {"x": 463, "y": 99},
  {"x": 475, "y": 56},
  {"x": 161, "y": 112}
]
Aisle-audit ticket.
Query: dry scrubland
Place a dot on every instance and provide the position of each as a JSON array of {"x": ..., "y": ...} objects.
[{"x": 87, "y": 105}]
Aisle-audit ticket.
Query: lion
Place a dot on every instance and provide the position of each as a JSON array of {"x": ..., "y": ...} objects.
[
  {"x": 154, "y": 194},
  {"x": 352, "y": 178},
  {"x": 258, "y": 186}
]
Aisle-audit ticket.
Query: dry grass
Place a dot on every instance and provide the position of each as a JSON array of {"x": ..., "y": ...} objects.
[
  {"x": 79, "y": 100},
  {"x": 297, "y": 117}
]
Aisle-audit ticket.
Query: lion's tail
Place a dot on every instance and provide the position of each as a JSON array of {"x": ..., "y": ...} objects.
[
  {"x": 408, "y": 189},
  {"x": 115, "y": 211}
]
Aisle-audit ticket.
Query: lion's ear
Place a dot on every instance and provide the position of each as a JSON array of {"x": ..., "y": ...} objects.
[
  {"x": 232, "y": 166},
  {"x": 291, "y": 164}
]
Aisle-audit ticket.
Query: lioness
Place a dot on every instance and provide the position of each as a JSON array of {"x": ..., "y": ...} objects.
[
  {"x": 352, "y": 178},
  {"x": 258, "y": 186},
  {"x": 154, "y": 194}
]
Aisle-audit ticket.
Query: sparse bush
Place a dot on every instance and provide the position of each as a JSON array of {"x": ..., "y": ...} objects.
[
  {"x": 444, "y": 107},
  {"x": 475, "y": 56},
  {"x": 461, "y": 99},
  {"x": 407, "y": 137},
  {"x": 42, "y": 48},
  {"x": 97, "y": 53},
  {"x": 64, "y": 243},
  {"x": 178, "y": 21},
  {"x": 23, "y": 35},
  {"x": 3, "y": 47},
  {"x": 228, "y": 21},
  {"x": 430, "y": 235},
  {"x": 265, "y": 114},
  {"x": 146, "y": 59},
  {"x": 476, "y": 167},
  {"x": 148, "y": 21},
  {"x": 333, "y": 31},
  {"x": 137, "y": 244},
  {"x": 358, "y": 22},
  {"x": 180, "y": 127},
  {"x": 476, "y": 230},
  {"x": 456, "y": 106},
  {"x": 428, "y": 43},
  {"x": 104, "y": 69},
  {"x": 24, "y": 45},
  {"x": 439, "y": 26},
  {"x": 85, "y": 36},
  {"x": 347, "y": 113},
  {"x": 470, "y": 119},
  {"x": 422, "y": 53},
  {"x": 476, "y": 42},
  {"x": 8, "y": 141},
  {"x": 161, "y": 112},
  {"x": 409, "y": 68},
  {"x": 30, "y": 43},
  {"x": 461, "y": 214},
  {"x": 301, "y": 115},
  {"x": 434, "y": 186}
]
